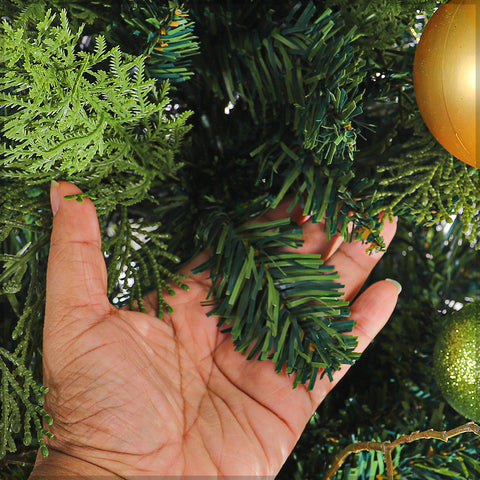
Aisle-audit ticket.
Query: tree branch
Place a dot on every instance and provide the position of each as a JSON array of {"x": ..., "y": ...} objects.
[{"x": 387, "y": 447}]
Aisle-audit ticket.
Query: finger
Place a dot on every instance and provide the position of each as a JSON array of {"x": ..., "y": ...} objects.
[
  {"x": 354, "y": 263},
  {"x": 76, "y": 273},
  {"x": 285, "y": 209},
  {"x": 314, "y": 235},
  {"x": 317, "y": 241},
  {"x": 371, "y": 312}
]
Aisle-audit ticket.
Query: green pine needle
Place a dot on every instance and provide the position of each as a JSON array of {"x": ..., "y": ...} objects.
[{"x": 272, "y": 300}]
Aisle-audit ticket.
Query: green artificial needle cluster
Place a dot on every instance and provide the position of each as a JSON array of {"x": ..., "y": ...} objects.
[
  {"x": 185, "y": 122},
  {"x": 278, "y": 304}
]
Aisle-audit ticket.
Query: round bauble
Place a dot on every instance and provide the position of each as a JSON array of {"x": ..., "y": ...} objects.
[
  {"x": 444, "y": 76},
  {"x": 456, "y": 361}
]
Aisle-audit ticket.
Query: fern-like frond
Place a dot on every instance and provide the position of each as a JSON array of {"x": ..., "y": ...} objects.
[
  {"x": 138, "y": 260},
  {"x": 19, "y": 388},
  {"x": 65, "y": 114},
  {"x": 432, "y": 191},
  {"x": 21, "y": 395}
]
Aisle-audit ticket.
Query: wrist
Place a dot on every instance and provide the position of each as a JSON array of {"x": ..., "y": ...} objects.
[{"x": 59, "y": 465}]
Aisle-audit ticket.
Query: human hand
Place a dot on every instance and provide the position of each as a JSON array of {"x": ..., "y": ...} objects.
[{"x": 132, "y": 395}]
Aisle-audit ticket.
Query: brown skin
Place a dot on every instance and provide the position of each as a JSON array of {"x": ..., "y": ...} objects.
[{"x": 134, "y": 395}]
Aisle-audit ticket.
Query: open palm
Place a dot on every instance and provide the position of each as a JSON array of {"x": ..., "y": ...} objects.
[{"x": 133, "y": 395}]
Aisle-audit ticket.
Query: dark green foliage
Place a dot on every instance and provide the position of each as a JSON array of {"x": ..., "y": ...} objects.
[
  {"x": 164, "y": 31},
  {"x": 295, "y": 117},
  {"x": 278, "y": 300}
]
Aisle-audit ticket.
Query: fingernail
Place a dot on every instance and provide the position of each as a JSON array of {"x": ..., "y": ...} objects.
[
  {"x": 54, "y": 196},
  {"x": 399, "y": 287}
]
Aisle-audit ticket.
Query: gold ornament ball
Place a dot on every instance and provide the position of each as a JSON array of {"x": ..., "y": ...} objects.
[
  {"x": 456, "y": 361},
  {"x": 444, "y": 77}
]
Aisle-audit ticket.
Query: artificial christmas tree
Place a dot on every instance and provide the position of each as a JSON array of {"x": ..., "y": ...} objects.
[{"x": 185, "y": 121}]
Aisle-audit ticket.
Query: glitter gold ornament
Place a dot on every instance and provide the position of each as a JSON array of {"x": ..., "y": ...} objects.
[
  {"x": 444, "y": 77},
  {"x": 456, "y": 361}
]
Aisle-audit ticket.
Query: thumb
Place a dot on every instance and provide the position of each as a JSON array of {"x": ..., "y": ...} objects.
[{"x": 76, "y": 272}]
